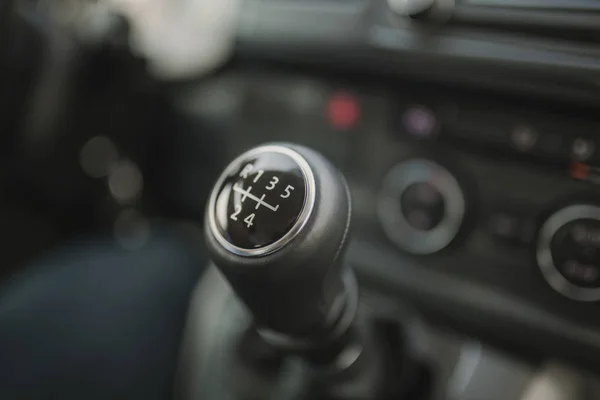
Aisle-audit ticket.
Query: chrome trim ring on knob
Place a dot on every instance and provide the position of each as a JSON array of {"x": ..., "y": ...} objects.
[
  {"x": 393, "y": 220},
  {"x": 544, "y": 252},
  {"x": 309, "y": 202}
]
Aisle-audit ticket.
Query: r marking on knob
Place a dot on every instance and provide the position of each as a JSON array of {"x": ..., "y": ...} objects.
[
  {"x": 246, "y": 193},
  {"x": 247, "y": 169}
]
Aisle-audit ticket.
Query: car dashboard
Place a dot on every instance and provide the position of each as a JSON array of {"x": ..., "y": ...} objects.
[
  {"x": 495, "y": 123},
  {"x": 468, "y": 134},
  {"x": 501, "y": 165}
]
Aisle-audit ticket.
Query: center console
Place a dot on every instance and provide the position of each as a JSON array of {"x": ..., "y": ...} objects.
[
  {"x": 469, "y": 143},
  {"x": 467, "y": 132},
  {"x": 480, "y": 209}
]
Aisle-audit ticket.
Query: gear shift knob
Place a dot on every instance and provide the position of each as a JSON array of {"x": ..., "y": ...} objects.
[{"x": 276, "y": 225}]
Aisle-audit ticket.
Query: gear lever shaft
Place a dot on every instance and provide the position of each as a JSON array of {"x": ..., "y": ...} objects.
[{"x": 277, "y": 224}]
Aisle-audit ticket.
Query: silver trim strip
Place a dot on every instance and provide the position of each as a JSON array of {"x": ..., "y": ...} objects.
[{"x": 309, "y": 202}]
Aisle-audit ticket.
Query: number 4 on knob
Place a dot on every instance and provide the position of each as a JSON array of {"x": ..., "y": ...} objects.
[{"x": 248, "y": 220}]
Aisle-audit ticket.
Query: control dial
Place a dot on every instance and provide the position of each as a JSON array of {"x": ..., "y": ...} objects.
[
  {"x": 568, "y": 252},
  {"x": 421, "y": 206}
]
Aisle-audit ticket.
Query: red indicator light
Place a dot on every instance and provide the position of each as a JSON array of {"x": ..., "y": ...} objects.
[
  {"x": 342, "y": 111},
  {"x": 579, "y": 171}
]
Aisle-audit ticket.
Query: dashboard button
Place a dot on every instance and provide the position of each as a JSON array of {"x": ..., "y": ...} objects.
[
  {"x": 583, "y": 149},
  {"x": 512, "y": 225},
  {"x": 420, "y": 122},
  {"x": 420, "y": 206},
  {"x": 568, "y": 252}
]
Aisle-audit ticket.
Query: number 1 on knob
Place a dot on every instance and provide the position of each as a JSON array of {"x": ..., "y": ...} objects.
[{"x": 258, "y": 175}]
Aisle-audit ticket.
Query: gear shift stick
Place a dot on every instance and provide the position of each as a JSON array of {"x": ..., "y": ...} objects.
[{"x": 276, "y": 225}]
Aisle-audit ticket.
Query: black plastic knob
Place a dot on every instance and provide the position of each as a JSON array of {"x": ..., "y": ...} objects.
[
  {"x": 276, "y": 225},
  {"x": 263, "y": 202}
]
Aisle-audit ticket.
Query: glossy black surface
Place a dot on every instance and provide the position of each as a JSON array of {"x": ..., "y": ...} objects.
[{"x": 261, "y": 200}]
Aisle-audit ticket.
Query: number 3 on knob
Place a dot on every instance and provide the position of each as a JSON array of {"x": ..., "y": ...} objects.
[{"x": 272, "y": 184}]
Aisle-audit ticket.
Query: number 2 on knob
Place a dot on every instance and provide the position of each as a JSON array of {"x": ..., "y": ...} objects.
[
  {"x": 248, "y": 220},
  {"x": 238, "y": 209}
]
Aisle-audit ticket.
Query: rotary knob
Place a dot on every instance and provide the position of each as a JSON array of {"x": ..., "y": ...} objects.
[
  {"x": 568, "y": 252},
  {"x": 421, "y": 206}
]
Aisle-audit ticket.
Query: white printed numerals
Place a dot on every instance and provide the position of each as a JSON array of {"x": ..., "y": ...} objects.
[
  {"x": 287, "y": 191},
  {"x": 238, "y": 209},
  {"x": 246, "y": 173},
  {"x": 258, "y": 175},
  {"x": 273, "y": 183},
  {"x": 247, "y": 170},
  {"x": 248, "y": 220}
]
